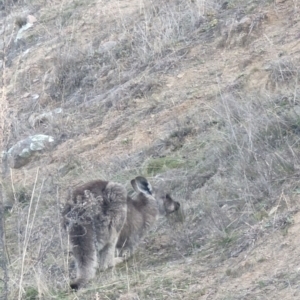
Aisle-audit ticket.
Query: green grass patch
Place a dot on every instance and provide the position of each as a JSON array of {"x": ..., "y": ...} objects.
[
  {"x": 158, "y": 165},
  {"x": 31, "y": 293}
]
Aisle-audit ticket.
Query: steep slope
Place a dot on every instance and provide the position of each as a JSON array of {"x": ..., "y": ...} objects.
[{"x": 200, "y": 95}]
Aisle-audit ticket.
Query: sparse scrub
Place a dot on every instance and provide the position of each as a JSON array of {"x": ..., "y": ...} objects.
[
  {"x": 21, "y": 195},
  {"x": 165, "y": 25},
  {"x": 253, "y": 164},
  {"x": 71, "y": 73},
  {"x": 142, "y": 47},
  {"x": 284, "y": 70},
  {"x": 8, "y": 5},
  {"x": 232, "y": 161},
  {"x": 180, "y": 131},
  {"x": 261, "y": 135},
  {"x": 258, "y": 161},
  {"x": 35, "y": 242}
]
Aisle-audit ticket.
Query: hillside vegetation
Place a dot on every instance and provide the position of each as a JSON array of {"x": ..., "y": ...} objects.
[{"x": 200, "y": 96}]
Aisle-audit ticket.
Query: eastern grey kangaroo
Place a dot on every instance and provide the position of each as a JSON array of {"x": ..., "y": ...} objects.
[
  {"x": 101, "y": 216},
  {"x": 143, "y": 209},
  {"x": 94, "y": 217}
]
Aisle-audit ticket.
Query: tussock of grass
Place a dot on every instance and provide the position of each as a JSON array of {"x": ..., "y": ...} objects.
[
  {"x": 73, "y": 71},
  {"x": 283, "y": 70}
]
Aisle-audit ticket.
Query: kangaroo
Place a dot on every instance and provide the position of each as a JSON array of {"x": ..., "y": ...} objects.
[
  {"x": 94, "y": 218},
  {"x": 143, "y": 209},
  {"x": 101, "y": 219}
]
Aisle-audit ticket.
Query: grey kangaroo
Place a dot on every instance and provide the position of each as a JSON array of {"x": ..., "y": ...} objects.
[
  {"x": 143, "y": 209},
  {"x": 100, "y": 217}
]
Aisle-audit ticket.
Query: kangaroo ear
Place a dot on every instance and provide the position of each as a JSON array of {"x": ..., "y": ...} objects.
[
  {"x": 141, "y": 185},
  {"x": 169, "y": 198}
]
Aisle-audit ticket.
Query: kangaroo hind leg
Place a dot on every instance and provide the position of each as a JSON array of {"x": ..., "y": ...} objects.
[{"x": 85, "y": 255}]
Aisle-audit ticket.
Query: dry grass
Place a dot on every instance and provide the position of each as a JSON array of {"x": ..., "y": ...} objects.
[
  {"x": 283, "y": 70},
  {"x": 234, "y": 167},
  {"x": 120, "y": 69}
]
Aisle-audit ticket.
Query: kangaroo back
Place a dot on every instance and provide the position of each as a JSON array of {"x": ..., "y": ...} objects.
[{"x": 94, "y": 217}]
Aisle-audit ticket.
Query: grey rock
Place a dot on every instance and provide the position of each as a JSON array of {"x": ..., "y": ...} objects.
[{"x": 21, "y": 153}]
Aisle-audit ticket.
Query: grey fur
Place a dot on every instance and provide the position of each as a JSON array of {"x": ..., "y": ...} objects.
[
  {"x": 143, "y": 209},
  {"x": 100, "y": 218},
  {"x": 94, "y": 218}
]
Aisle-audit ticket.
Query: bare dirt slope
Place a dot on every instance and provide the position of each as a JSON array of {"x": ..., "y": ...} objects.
[{"x": 201, "y": 96}]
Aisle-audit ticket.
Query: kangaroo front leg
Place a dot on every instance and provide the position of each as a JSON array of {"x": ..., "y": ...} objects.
[
  {"x": 127, "y": 251},
  {"x": 106, "y": 257}
]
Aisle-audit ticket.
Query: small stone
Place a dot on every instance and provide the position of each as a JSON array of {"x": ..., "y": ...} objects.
[{"x": 31, "y": 19}]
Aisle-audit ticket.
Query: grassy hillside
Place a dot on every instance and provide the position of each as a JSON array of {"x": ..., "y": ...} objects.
[{"x": 198, "y": 96}]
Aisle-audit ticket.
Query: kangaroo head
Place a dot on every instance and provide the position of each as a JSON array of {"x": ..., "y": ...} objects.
[
  {"x": 170, "y": 205},
  {"x": 164, "y": 201}
]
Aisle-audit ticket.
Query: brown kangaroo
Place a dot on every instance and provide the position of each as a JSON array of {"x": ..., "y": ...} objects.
[{"x": 100, "y": 217}]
